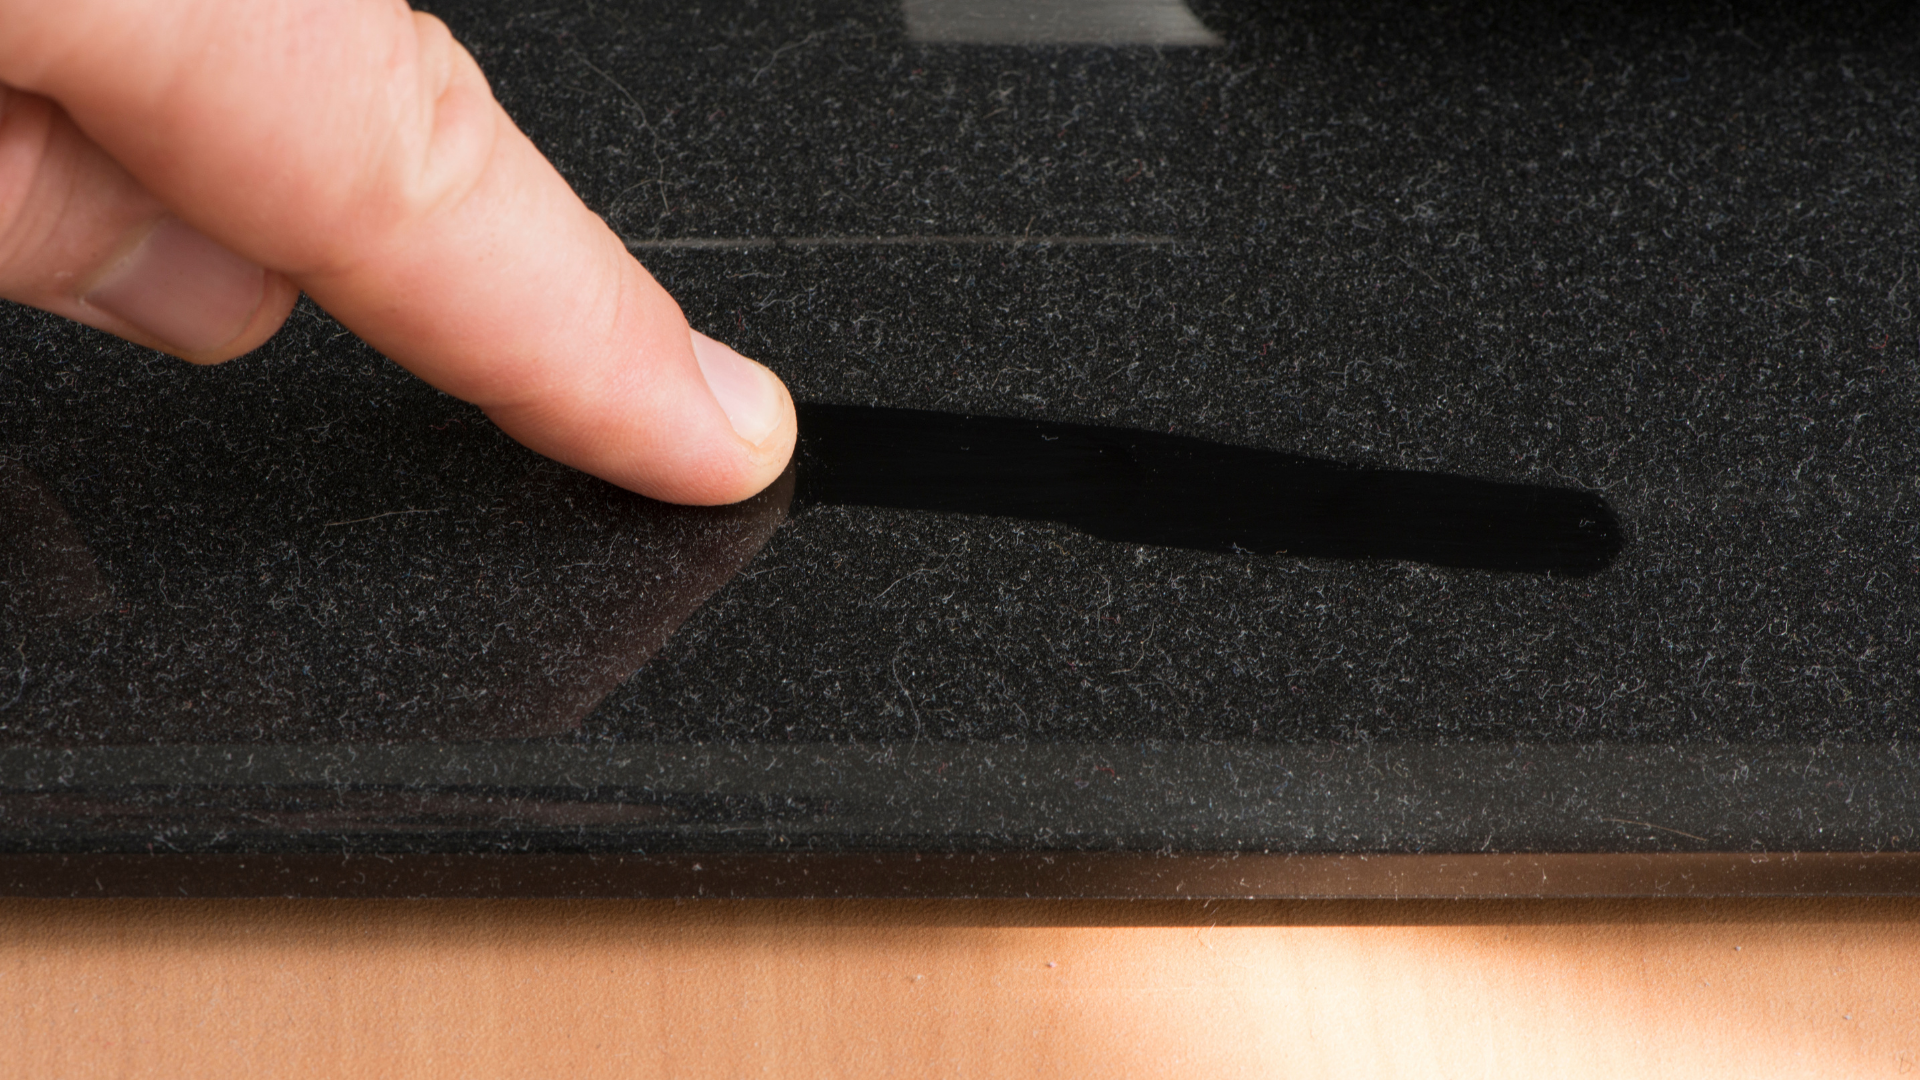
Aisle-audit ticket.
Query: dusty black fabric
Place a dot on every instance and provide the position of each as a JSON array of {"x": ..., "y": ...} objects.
[{"x": 1661, "y": 252}]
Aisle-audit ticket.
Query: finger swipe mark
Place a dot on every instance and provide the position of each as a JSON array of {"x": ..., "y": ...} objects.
[{"x": 1143, "y": 487}]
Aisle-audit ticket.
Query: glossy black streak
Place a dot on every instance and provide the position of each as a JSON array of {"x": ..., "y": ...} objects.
[{"x": 1141, "y": 487}]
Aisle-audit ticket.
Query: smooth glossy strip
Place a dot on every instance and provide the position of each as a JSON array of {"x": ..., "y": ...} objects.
[
  {"x": 889, "y": 875},
  {"x": 1145, "y": 487},
  {"x": 762, "y": 243}
]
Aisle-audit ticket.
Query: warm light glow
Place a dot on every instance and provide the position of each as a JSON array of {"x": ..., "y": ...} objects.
[{"x": 477, "y": 989}]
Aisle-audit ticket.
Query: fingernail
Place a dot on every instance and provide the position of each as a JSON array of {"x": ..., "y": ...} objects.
[
  {"x": 182, "y": 288},
  {"x": 748, "y": 393}
]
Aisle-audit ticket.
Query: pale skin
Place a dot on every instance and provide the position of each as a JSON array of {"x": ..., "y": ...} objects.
[{"x": 178, "y": 173}]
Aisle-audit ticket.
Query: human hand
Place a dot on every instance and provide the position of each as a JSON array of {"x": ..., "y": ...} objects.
[{"x": 176, "y": 173}]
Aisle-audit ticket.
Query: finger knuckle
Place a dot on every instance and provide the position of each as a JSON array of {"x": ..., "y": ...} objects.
[
  {"x": 442, "y": 130},
  {"x": 464, "y": 116}
]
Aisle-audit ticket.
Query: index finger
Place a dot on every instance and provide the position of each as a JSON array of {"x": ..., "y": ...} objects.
[{"x": 355, "y": 147}]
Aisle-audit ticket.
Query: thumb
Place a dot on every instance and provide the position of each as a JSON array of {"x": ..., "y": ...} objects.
[{"x": 353, "y": 147}]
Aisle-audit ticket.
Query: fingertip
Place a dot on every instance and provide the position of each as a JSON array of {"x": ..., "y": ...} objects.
[
  {"x": 671, "y": 440},
  {"x": 751, "y": 396},
  {"x": 767, "y": 461},
  {"x": 759, "y": 411}
]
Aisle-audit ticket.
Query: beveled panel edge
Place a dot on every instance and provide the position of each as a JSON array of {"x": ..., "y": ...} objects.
[{"x": 891, "y": 875}]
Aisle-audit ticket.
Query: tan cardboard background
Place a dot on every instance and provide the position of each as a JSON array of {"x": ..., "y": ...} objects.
[{"x": 923, "y": 989}]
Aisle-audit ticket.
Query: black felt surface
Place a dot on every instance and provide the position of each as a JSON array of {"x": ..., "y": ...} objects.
[{"x": 1664, "y": 254}]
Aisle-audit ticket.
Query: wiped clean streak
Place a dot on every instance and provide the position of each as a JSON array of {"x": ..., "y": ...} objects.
[
  {"x": 1055, "y": 22},
  {"x": 756, "y": 243},
  {"x": 1144, "y": 487}
]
